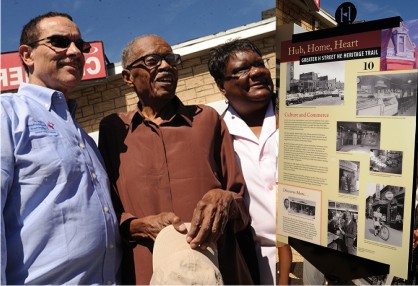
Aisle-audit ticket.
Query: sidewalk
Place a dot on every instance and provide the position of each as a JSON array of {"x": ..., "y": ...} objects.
[{"x": 296, "y": 272}]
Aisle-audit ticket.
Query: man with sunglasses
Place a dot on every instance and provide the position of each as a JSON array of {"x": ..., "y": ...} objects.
[
  {"x": 243, "y": 77},
  {"x": 58, "y": 225},
  {"x": 171, "y": 163}
]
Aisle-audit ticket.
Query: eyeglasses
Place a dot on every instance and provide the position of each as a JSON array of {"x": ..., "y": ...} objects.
[
  {"x": 154, "y": 60},
  {"x": 244, "y": 71},
  {"x": 63, "y": 42}
]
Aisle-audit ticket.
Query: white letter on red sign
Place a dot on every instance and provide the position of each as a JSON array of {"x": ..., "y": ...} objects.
[
  {"x": 96, "y": 65},
  {"x": 17, "y": 73},
  {"x": 3, "y": 78}
]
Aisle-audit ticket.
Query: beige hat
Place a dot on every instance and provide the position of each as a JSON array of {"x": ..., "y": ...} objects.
[{"x": 175, "y": 263}]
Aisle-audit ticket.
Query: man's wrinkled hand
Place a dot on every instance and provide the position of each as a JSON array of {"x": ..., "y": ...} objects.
[
  {"x": 150, "y": 226},
  {"x": 209, "y": 218}
]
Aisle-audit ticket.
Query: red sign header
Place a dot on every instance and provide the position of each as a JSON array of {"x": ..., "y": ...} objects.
[{"x": 12, "y": 72}]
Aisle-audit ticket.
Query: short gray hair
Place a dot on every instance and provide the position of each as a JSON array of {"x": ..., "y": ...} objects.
[{"x": 128, "y": 52}]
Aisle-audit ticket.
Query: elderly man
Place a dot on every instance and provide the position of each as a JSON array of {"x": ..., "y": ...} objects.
[
  {"x": 171, "y": 163},
  {"x": 243, "y": 77},
  {"x": 57, "y": 221}
]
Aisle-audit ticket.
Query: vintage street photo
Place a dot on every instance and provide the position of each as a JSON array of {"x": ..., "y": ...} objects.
[
  {"x": 387, "y": 94},
  {"x": 349, "y": 172},
  {"x": 315, "y": 84},
  {"x": 386, "y": 161},
  {"x": 384, "y": 213},
  {"x": 358, "y": 137},
  {"x": 342, "y": 227},
  {"x": 302, "y": 207}
]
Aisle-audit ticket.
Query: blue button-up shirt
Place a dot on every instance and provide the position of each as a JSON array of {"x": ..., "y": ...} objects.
[{"x": 57, "y": 221}]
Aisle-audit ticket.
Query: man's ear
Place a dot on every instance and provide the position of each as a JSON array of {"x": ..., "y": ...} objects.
[
  {"x": 127, "y": 77},
  {"x": 220, "y": 84},
  {"x": 26, "y": 54}
]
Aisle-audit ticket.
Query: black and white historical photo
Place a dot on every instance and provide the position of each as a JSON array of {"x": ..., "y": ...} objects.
[
  {"x": 318, "y": 84},
  {"x": 302, "y": 207},
  {"x": 349, "y": 172},
  {"x": 387, "y": 94},
  {"x": 384, "y": 213},
  {"x": 358, "y": 137},
  {"x": 342, "y": 227},
  {"x": 386, "y": 161}
]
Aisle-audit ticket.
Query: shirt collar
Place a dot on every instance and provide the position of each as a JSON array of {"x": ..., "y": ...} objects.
[
  {"x": 45, "y": 96},
  {"x": 183, "y": 113},
  {"x": 40, "y": 94},
  {"x": 236, "y": 125}
]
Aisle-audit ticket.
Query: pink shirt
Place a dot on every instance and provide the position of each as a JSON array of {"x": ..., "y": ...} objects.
[{"x": 258, "y": 159}]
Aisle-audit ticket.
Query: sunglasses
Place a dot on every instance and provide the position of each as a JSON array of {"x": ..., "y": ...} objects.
[
  {"x": 154, "y": 60},
  {"x": 63, "y": 42}
]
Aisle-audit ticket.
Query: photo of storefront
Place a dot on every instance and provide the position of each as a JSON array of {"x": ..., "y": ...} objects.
[
  {"x": 301, "y": 207},
  {"x": 387, "y": 94},
  {"x": 357, "y": 136}
]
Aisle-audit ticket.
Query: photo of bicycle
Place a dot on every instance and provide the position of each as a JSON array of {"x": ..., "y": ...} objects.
[
  {"x": 380, "y": 228},
  {"x": 384, "y": 214}
]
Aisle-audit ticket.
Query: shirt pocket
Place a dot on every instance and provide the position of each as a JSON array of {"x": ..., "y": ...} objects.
[{"x": 42, "y": 160}]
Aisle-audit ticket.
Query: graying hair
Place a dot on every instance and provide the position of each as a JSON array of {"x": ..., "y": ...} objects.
[{"x": 128, "y": 51}]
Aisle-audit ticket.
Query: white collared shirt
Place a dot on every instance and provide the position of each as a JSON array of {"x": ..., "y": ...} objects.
[{"x": 258, "y": 160}]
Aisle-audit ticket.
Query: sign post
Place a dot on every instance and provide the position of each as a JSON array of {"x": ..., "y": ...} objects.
[{"x": 347, "y": 156}]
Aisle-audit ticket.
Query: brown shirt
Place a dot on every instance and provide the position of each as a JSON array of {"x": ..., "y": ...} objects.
[{"x": 168, "y": 168}]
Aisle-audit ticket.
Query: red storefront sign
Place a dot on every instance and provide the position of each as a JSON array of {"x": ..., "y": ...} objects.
[{"x": 12, "y": 72}]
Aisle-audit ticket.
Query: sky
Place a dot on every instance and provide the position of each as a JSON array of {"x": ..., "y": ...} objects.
[{"x": 117, "y": 22}]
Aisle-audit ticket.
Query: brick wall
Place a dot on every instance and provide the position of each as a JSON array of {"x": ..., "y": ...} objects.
[
  {"x": 295, "y": 11},
  {"x": 195, "y": 86}
]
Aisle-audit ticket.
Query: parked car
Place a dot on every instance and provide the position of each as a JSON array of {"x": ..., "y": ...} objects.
[
  {"x": 308, "y": 96},
  {"x": 318, "y": 94},
  {"x": 335, "y": 93},
  {"x": 293, "y": 98},
  {"x": 341, "y": 94}
]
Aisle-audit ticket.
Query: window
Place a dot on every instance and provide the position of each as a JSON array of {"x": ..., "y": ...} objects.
[{"x": 401, "y": 44}]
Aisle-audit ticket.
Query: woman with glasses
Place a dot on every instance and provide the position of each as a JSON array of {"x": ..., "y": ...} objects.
[{"x": 243, "y": 77}]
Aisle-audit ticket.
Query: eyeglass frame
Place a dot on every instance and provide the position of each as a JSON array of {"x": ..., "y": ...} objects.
[
  {"x": 245, "y": 70},
  {"x": 77, "y": 43},
  {"x": 176, "y": 56}
]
